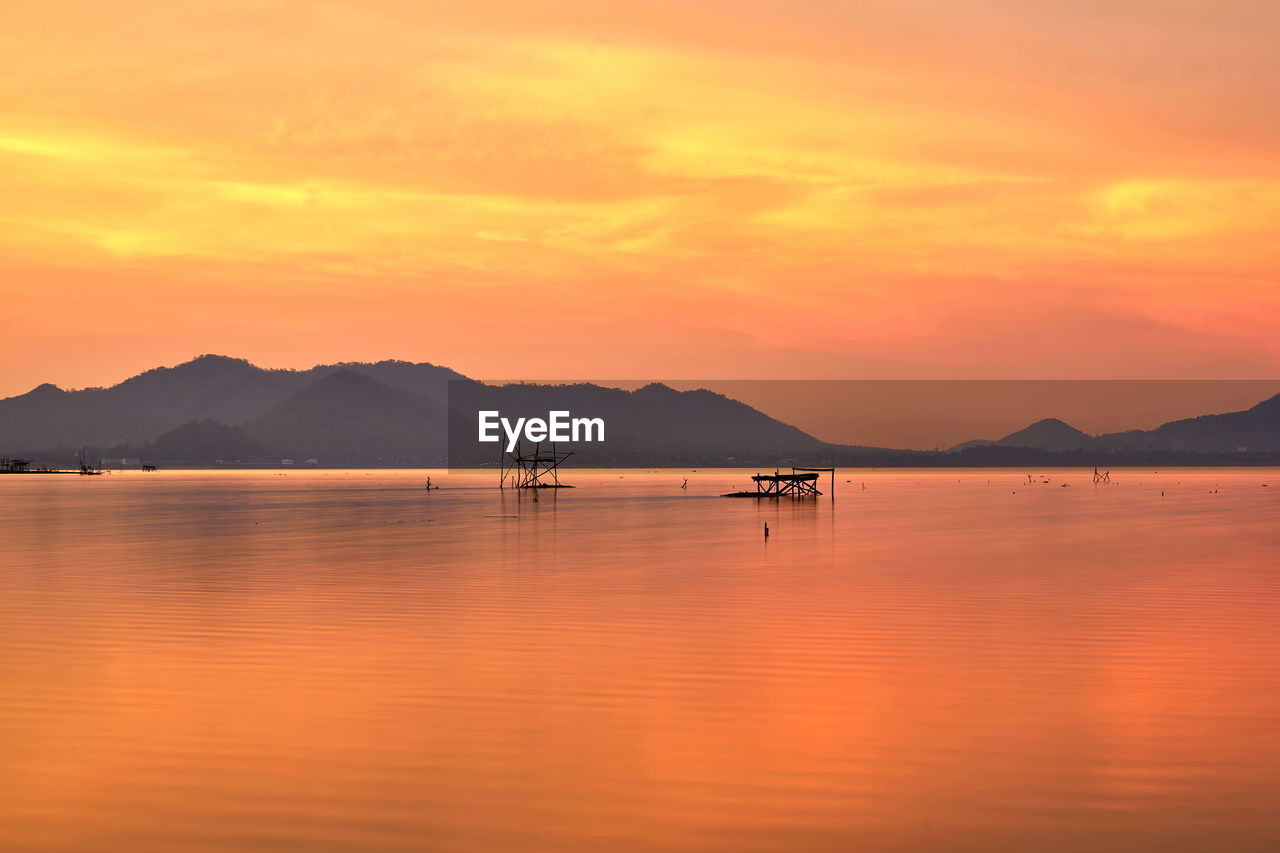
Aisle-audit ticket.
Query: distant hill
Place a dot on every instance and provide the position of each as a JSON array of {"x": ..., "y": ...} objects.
[
  {"x": 212, "y": 387},
  {"x": 351, "y": 417},
  {"x": 201, "y": 442},
  {"x": 1046, "y": 434},
  {"x": 217, "y": 388},
  {"x": 651, "y": 425},
  {"x": 1254, "y": 430},
  {"x": 388, "y": 413},
  {"x": 397, "y": 413}
]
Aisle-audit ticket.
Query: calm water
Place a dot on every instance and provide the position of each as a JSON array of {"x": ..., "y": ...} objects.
[{"x": 940, "y": 661}]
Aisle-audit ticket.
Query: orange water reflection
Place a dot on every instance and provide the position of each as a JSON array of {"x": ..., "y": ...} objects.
[{"x": 337, "y": 661}]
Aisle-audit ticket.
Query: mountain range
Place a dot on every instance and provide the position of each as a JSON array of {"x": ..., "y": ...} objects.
[
  {"x": 226, "y": 390},
  {"x": 215, "y": 408},
  {"x": 652, "y": 425},
  {"x": 1256, "y": 429}
]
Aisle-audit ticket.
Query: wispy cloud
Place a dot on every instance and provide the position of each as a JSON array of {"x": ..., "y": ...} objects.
[{"x": 870, "y": 167}]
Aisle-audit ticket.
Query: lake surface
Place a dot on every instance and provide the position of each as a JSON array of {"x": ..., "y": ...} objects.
[{"x": 946, "y": 660}]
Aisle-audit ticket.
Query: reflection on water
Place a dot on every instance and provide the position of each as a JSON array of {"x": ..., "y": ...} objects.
[{"x": 940, "y": 661}]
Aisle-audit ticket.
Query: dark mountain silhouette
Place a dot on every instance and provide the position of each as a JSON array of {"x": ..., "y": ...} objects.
[
  {"x": 1046, "y": 434},
  {"x": 349, "y": 417},
  {"x": 426, "y": 380},
  {"x": 651, "y": 425},
  {"x": 211, "y": 387},
  {"x": 388, "y": 413},
  {"x": 200, "y": 442},
  {"x": 396, "y": 413},
  {"x": 1255, "y": 429}
]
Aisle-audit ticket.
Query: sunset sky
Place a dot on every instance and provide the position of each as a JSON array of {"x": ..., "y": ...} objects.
[{"x": 890, "y": 189}]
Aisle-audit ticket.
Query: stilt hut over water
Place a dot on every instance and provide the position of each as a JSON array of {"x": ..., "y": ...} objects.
[{"x": 800, "y": 483}]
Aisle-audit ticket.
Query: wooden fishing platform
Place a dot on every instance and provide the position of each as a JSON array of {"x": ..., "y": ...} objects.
[
  {"x": 800, "y": 483},
  {"x": 537, "y": 470},
  {"x": 23, "y": 466}
]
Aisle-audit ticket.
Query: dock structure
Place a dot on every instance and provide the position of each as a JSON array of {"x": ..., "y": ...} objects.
[
  {"x": 89, "y": 467},
  {"x": 797, "y": 484},
  {"x": 536, "y": 470},
  {"x": 23, "y": 466},
  {"x": 831, "y": 471}
]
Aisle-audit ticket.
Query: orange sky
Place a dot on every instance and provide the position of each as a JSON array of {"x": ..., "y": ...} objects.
[{"x": 1026, "y": 188}]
